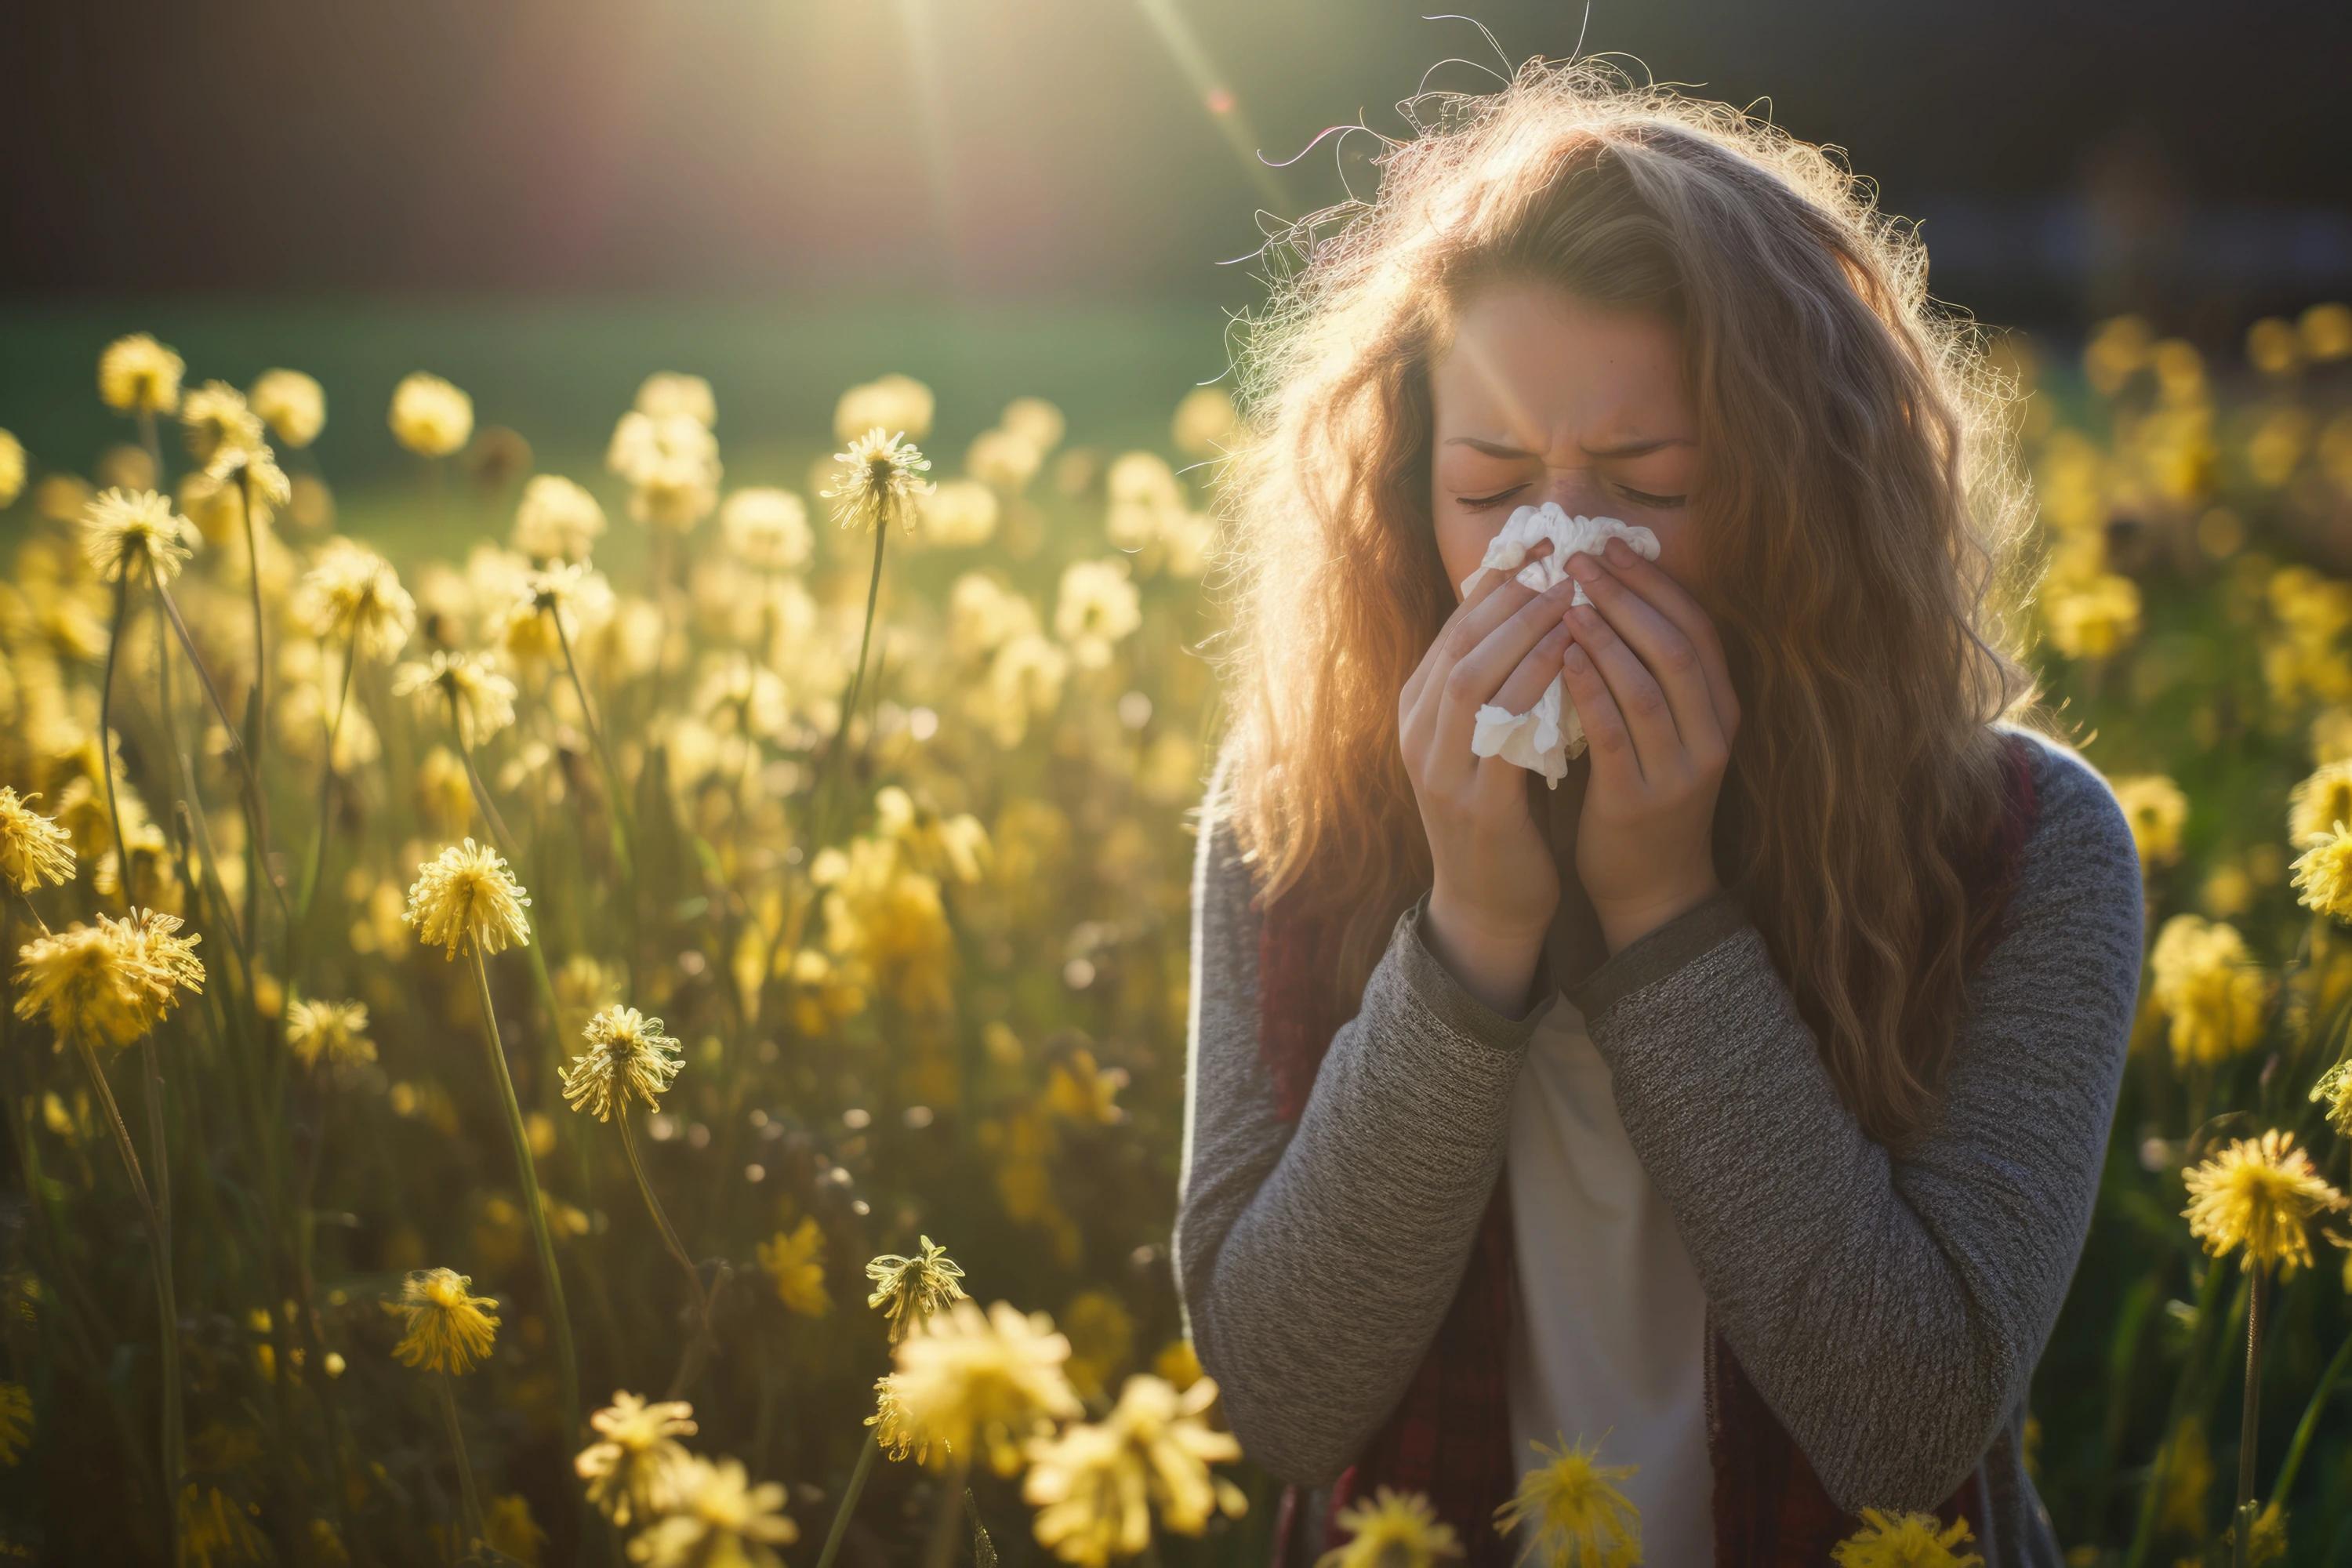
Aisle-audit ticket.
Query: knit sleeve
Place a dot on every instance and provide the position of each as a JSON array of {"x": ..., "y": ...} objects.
[
  {"x": 1315, "y": 1260},
  {"x": 1890, "y": 1309}
]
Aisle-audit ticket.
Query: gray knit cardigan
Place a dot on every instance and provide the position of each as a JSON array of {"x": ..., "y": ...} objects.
[{"x": 1890, "y": 1309}]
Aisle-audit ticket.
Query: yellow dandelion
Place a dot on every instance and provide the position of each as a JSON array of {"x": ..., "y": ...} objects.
[
  {"x": 628, "y": 1057},
  {"x": 214, "y": 1530},
  {"x": 466, "y": 894},
  {"x": 121, "y": 529},
  {"x": 794, "y": 1260},
  {"x": 893, "y": 1433},
  {"x": 331, "y": 1032},
  {"x": 2323, "y": 873},
  {"x": 2212, "y": 993},
  {"x": 449, "y": 1329},
  {"x": 721, "y": 1519},
  {"x": 12, "y": 467},
  {"x": 108, "y": 984},
  {"x": 294, "y": 405},
  {"x": 909, "y": 1290},
  {"x": 2335, "y": 1089},
  {"x": 1391, "y": 1529},
  {"x": 33, "y": 848},
  {"x": 429, "y": 416},
  {"x": 557, "y": 520},
  {"x": 668, "y": 393},
  {"x": 983, "y": 1383},
  {"x": 2259, "y": 1194},
  {"x": 15, "y": 1421},
  {"x": 631, "y": 1467},
  {"x": 2156, "y": 811},
  {"x": 216, "y": 418},
  {"x": 352, "y": 595},
  {"x": 138, "y": 376},
  {"x": 1907, "y": 1541},
  {"x": 507, "y": 1528},
  {"x": 876, "y": 481},
  {"x": 1575, "y": 1514},
  {"x": 481, "y": 700},
  {"x": 1096, "y": 1485}
]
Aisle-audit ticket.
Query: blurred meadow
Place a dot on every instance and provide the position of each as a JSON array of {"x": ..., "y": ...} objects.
[{"x": 597, "y": 915}]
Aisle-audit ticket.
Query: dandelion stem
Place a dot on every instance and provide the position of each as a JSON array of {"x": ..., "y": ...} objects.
[
  {"x": 694, "y": 1352},
  {"x": 849, "y": 1495},
  {"x": 236, "y": 746},
  {"x": 148, "y": 439},
  {"x": 2248, "y": 1429},
  {"x": 166, "y": 1302},
  {"x": 833, "y": 761},
  {"x": 106, "y": 732},
  {"x": 471, "y": 1499},
  {"x": 942, "y": 1550},
  {"x": 326, "y": 784},
  {"x": 570, "y": 1364},
  {"x": 2310, "y": 1422}
]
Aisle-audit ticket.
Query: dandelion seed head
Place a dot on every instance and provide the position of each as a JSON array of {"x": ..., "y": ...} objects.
[
  {"x": 481, "y": 700},
  {"x": 877, "y": 479},
  {"x": 557, "y": 520},
  {"x": 33, "y": 848},
  {"x": 121, "y": 529},
  {"x": 138, "y": 376},
  {"x": 352, "y": 595},
  {"x": 335, "y": 1033},
  {"x": 628, "y": 1057},
  {"x": 429, "y": 416},
  {"x": 449, "y": 1329},
  {"x": 216, "y": 416},
  {"x": 467, "y": 895},
  {"x": 294, "y": 405},
  {"x": 668, "y": 394}
]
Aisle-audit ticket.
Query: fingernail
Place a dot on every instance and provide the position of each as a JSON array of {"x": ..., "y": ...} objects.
[
  {"x": 1618, "y": 551},
  {"x": 1583, "y": 568}
]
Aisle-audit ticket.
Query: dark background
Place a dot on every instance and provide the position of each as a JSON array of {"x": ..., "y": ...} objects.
[{"x": 989, "y": 147}]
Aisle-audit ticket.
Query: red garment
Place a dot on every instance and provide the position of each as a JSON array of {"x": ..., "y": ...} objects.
[{"x": 1449, "y": 1435}]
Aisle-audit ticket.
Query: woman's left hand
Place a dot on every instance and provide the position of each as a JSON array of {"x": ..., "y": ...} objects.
[{"x": 1646, "y": 671}]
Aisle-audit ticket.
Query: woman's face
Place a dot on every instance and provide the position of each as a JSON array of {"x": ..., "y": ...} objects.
[{"x": 1544, "y": 396}]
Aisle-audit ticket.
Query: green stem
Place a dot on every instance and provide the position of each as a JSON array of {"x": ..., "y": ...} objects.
[
  {"x": 166, "y": 1302},
  {"x": 2144, "y": 1531},
  {"x": 106, "y": 732},
  {"x": 2248, "y": 1429},
  {"x": 2310, "y": 1422},
  {"x": 942, "y": 1550},
  {"x": 700, "y": 1348},
  {"x": 471, "y": 1499},
  {"x": 570, "y": 1367},
  {"x": 849, "y": 1497},
  {"x": 236, "y": 746},
  {"x": 856, "y": 681},
  {"x": 326, "y": 785},
  {"x": 621, "y": 813}
]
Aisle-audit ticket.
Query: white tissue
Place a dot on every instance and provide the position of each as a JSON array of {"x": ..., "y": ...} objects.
[{"x": 1547, "y": 735}]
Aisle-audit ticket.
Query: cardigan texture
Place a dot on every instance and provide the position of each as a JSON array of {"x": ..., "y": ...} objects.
[{"x": 1888, "y": 1310}]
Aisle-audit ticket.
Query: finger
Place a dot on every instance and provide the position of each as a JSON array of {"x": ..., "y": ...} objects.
[
  {"x": 1478, "y": 676},
  {"x": 1494, "y": 601},
  {"x": 1658, "y": 586},
  {"x": 1670, "y": 658},
  {"x": 1498, "y": 780},
  {"x": 1607, "y": 742},
  {"x": 1639, "y": 702}
]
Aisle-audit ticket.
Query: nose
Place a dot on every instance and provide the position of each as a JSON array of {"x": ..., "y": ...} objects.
[{"x": 1578, "y": 491}]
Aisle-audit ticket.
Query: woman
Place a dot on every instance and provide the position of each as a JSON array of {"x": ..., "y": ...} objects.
[{"x": 1739, "y": 1105}]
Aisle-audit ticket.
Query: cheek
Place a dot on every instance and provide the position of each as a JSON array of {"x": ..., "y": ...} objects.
[{"x": 1462, "y": 539}]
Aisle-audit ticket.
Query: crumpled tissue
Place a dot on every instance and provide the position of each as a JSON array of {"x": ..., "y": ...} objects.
[{"x": 1547, "y": 735}]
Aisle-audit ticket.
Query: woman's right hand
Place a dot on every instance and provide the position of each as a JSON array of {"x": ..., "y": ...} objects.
[{"x": 1494, "y": 886}]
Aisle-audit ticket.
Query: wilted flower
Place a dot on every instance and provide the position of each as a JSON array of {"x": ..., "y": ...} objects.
[
  {"x": 448, "y": 1328},
  {"x": 353, "y": 595},
  {"x": 294, "y": 405},
  {"x": 628, "y": 1058},
  {"x": 1391, "y": 1529},
  {"x": 1907, "y": 1541},
  {"x": 1096, "y": 1484},
  {"x": 983, "y": 1383},
  {"x": 794, "y": 1260},
  {"x": 466, "y": 894},
  {"x": 1577, "y": 1514},
  {"x": 33, "y": 848},
  {"x": 430, "y": 417},
  {"x": 121, "y": 528},
  {"x": 108, "y": 984},
  {"x": 481, "y": 700},
  {"x": 333, "y": 1032},
  {"x": 557, "y": 520},
  {"x": 767, "y": 530},
  {"x": 909, "y": 1290},
  {"x": 876, "y": 481},
  {"x": 2260, "y": 1195},
  {"x": 632, "y": 1469},
  {"x": 138, "y": 376},
  {"x": 721, "y": 1519}
]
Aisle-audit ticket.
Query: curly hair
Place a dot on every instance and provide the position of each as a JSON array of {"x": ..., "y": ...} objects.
[{"x": 1858, "y": 483}]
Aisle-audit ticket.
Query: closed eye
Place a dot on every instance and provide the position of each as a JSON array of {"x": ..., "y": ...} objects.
[
  {"x": 1665, "y": 503},
  {"x": 1480, "y": 503}
]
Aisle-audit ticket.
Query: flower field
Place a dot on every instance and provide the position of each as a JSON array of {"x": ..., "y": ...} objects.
[{"x": 641, "y": 1018}]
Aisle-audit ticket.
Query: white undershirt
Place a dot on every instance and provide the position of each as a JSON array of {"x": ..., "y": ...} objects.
[{"x": 1611, "y": 1328}]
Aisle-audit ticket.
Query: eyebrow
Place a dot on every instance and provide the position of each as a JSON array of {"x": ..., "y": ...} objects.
[{"x": 1634, "y": 447}]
